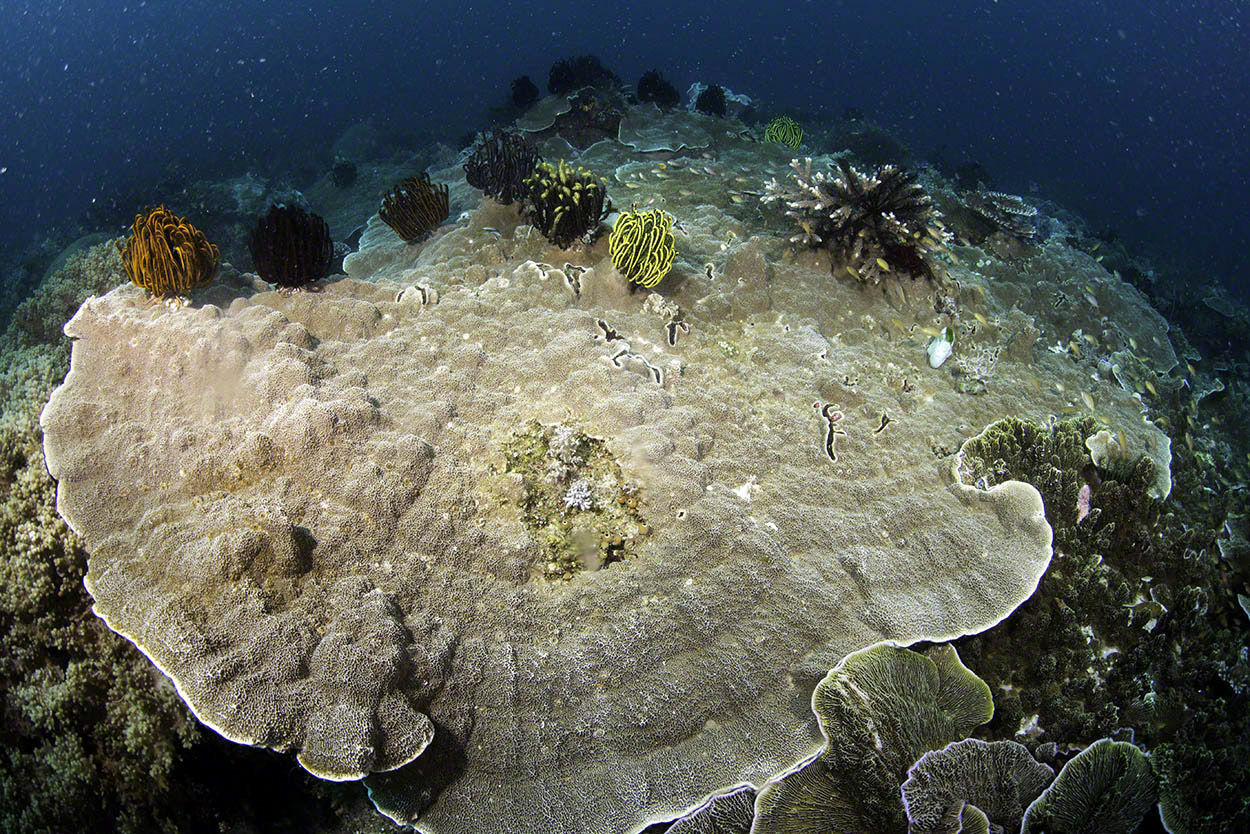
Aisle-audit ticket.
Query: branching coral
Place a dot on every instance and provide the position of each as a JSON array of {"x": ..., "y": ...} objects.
[
  {"x": 641, "y": 246},
  {"x": 873, "y": 224},
  {"x": 784, "y": 131},
  {"x": 499, "y": 165},
  {"x": 291, "y": 247},
  {"x": 414, "y": 207},
  {"x": 566, "y": 204},
  {"x": 166, "y": 255}
]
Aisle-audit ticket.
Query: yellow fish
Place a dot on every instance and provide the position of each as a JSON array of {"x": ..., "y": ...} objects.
[
  {"x": 884, "y": 266},
  {"x": 1075, "y": 348},
  {"x": 1088, "y": 400},
  {"x": 1123, "y": 443},
  {"x": 981, "y": 319},
  {"x": 1151, "y": 389}
]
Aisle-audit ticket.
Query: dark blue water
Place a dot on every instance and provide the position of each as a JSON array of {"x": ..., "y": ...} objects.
[{"x": 1134, "y": 115}]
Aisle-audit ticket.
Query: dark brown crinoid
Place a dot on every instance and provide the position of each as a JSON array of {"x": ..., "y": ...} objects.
[
  {"x": 414, "y": 207},
  {"x": 291, "y": 247},
  {"x": 499, "y": 165}
]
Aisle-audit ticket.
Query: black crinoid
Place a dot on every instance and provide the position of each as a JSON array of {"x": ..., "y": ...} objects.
[
  {"x": 291, "y": 247},
  {"x": 499, "y": 165},
  {"x": 873, "y": 224}
]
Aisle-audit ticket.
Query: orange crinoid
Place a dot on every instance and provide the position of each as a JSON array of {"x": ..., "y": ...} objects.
[{"x": 166, "y": 255}]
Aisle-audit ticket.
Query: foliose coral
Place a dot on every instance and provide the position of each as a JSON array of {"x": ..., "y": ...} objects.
[
  {"x": 566, "y": 204},
  {"x": 1005, "y": 212},
  {"x": 291, "y": 247},
  {"x": 414, "y": 207},
  {"x": 166, "y": 255},
  {"x": 874, "y": 224},
  {"x": 499, "y": 165},
  {"x": 641, "y": 246}
]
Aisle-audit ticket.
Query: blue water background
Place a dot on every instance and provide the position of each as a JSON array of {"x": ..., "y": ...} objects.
[{"x": 1133, "y": 114}]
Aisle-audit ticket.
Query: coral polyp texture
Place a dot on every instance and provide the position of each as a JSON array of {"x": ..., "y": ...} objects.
[
  {"x": 415, "y": 207},
  {"x": 566, "y": 204},
  {"x": 873, "y": 224},
  {"x": 166, "y": 255},
  {"x": 784, "y": 131},
  {"x": 291, "y": 247},
  {"x": 499, "y": 165},
  {"x": 641, "y": 246}
]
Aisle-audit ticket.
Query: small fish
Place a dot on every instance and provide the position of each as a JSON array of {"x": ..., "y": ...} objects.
[
  {"x": 1088, "y": 400},
  {"x": 854, "y": 272},
  {"x": 981, "y": 319},
  {"x": 1059, "y": 387},
  {"x": 931, "y": 331},
  {"x": 707, "y": 169},
  {"x": 1189, "y": 441},
  {"x": 1037, "y": 386},
  {"x": 1123, "y": 443},
  {"x": 1190, "y": 365},
  {"x": 492, "y": 230},
  {"x": 737, "y": 198},
  {"x": 885, "y": 267},
  {"x": 897, "y": 322},
  {"x": 1093, "y": 302},
  {"x": 1095, "y": 247},
  {"x": 1075, "y": 348},
  {"x": 1068, "y": 409},
  {"x": 1099, "y": 258},
  {"x": 1090, "y": 338},
  {"x": 1132, "y": 343},
  {"x": 661, "y": 166},
  {"x": 1151, "y": 389},
  {"x": 632, "y": 185}
]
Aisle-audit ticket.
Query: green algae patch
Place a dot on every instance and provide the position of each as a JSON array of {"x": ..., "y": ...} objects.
[{"x": 573, "y": 499}]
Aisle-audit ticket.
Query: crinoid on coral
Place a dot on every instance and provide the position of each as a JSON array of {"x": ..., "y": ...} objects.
[
  {"x": 873, "y": 224},
  {"x": 499, "y": 165},
  {"x": 414, "y": 207},
  {"x": 784, "y": 131},
  {"x": 1006, "y": 212},
  {"x": 166, "y": 255},
  {"x": 569, "y": 74},
  {"x": 711, "y": 101},
  {"x": 291, "y": 247},
  {"x": 641, "y": 246},
  {"x": 566, "y": 204},
  {"x": 655, "y": 88},
  {"x": 524, "y": 92}
]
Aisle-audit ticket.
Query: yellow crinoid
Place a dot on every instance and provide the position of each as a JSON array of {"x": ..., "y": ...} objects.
[
  {"x": 641, "y": 246},
  {"x": 166, "y": 255}
]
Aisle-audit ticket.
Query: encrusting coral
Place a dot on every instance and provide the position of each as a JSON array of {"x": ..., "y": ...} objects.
[
  {"x": 291, "y": 247},
  {"x": 414, "y": 207},
  {"x": 874, "y": 224},
  {"x": 641, "y": 246},
  {"x": 566, "y": 204},
  {"x": 166, "y": 255}
]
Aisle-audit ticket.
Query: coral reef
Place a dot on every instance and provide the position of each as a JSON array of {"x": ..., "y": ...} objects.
[
  {"x": 415, "y": 207},
  {"x": 570, "y": 74},
  {"x": 1107, "y": 787},
  {"x": 873, "y": 224},
  {"x": 654, "y": 88},
  {"x": 166, "y": 255},
  {"x": 641, "y": 246},
  {"x": 711, "y": 101},
  {"x": 499, "y": 165},
  {"x": 524, "y": 92},
  {"x": 291, "y": 247},
  {"x": 566, "y": 204},
  {"x": 784, "y": 131},
  {"x": 1004, "y": 212}
]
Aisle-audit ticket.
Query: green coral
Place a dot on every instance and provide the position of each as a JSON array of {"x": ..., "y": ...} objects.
[
  {"x": 574, "y": 499},
  {"x": 1133, "y": 627}
]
